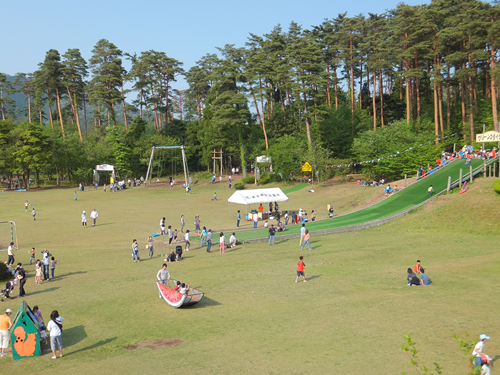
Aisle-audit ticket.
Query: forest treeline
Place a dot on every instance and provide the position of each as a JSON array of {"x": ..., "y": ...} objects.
[{"x": 350, "y": 89}]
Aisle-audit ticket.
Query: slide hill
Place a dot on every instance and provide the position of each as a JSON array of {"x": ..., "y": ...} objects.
[{"x": 405, "y": 199}]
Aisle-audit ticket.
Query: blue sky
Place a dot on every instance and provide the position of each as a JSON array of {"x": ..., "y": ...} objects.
[{"x": 184, "y": 30}]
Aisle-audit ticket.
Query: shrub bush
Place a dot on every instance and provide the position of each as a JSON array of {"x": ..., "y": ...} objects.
[
  {"x": 4, "y": 272},
  {"x": 264, "y": 179},
  {"x": 239, "y": 186},
  {"x": 248, "y": 180},
  {"x": 496, "y": 186}
]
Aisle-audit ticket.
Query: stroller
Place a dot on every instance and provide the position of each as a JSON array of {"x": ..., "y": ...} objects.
[
  {"x": 9, "y": 288},
  {"x": 178, "y": 252}
]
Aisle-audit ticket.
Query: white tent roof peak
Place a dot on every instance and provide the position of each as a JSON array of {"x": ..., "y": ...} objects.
[{"x": 256, "y": 196}]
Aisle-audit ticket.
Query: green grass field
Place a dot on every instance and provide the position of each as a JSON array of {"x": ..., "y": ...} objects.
[{"x": 349, "y": 318}]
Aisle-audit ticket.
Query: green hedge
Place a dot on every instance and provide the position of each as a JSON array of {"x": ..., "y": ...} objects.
[
  {"x": 239, "y": 186},
  {"x": 247, "y": 180},
  {"x": 4, "y": 272},
  {"x": 496, "y": 186}
]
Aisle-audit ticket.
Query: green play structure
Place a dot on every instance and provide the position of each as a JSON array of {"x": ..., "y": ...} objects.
[
  {"x": 403, "y": 200},
  {"x": 24, "y": 334}
]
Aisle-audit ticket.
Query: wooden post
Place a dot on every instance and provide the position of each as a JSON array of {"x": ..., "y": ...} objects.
[
  {"x": 454, "y": 147},
  {"x": 405, "y": 178},
  {"x": 484, "y": 131},
  {"x": 484, "y": 168},
  {"x": 460, "y": 181},
  {"x": 494, "y": 169},
  {"x": 449, "y": 184},
  {"x": 220, "y": 162},
  {"x": 471, "y": 177},
  {"x": 489, "y": 171}
]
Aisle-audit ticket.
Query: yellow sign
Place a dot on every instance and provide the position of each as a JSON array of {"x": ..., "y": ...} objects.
[
  {"x": 490, "y": 136},
  {"x": 306, "y": 167}
]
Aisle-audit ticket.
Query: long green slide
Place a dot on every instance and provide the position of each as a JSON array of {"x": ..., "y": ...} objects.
[{"x": 403, "y": 200}]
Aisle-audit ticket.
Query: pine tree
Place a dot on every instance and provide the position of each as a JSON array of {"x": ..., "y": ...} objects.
[{"x": 108, "y": 75}]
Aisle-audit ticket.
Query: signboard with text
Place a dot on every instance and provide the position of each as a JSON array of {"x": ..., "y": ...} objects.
[{"x": 490, "y": 136}]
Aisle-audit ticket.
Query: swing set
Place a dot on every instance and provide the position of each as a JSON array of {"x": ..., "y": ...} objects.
[{"x": 160, "y": 159}]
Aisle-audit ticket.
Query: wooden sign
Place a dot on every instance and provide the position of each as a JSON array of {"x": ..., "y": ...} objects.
[{"x": 490, "y": 136}]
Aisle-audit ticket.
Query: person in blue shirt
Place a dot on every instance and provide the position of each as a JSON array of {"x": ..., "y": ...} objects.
[{"x": 424, "y": 279}]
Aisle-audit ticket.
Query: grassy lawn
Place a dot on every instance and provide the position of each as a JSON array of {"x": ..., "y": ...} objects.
[{"x": 349, "y": 319}]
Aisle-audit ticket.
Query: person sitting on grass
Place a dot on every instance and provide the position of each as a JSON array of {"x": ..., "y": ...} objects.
[
  {"x": 417, "y": 267},
  {"x": 412, "y": 278},
  {"x": 172, "y": 257},
  {"x": 424, "y": 279}
]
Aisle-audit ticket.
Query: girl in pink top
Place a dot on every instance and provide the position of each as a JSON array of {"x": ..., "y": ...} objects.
[{"x": 222, "y": 244}]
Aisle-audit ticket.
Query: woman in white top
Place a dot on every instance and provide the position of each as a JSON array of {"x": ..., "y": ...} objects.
[
  {"x": 84, "y": 219},
  {"x": 55, "y": 330},
  {"x": 187, "y": 240}
]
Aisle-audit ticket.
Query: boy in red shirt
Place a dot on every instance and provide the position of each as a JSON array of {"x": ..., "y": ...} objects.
[
  {"x": 417, "y": 267},
  {"x": 300, "y": 270}
]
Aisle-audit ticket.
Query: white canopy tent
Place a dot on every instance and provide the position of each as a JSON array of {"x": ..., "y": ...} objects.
[{"x": 257, "y": 196}]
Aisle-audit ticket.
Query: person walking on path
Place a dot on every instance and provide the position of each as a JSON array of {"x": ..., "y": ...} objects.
[
  {"x": 84, "y": 219},
  {"x": 300, "y": 270},
  {"x": 182, "y": 223},
  {"x": 150, "y": 247},
  {"x": 94, "y": 215},
  {"x": 55, "y": 329},
  {"x": 209, "y": 240},
  {"x": 222, "y": 243},
  {"x": 5, "y": 326},
  {"x": 163, "y": 275},
  {"x": 10, "y": 254},
  {"x": 75, "y": 196},
  {"x": 306, "y": 240},
  {"x": 272, "y": 234},
  {"x": 135, "y": 251},
  {"x": 187, "y": 240},
  {"x": 302, "y": 233},
  {"x": 238, "y": 218},
  {"x": 33, "y": 213},
  {"x": 430, "y": 191}
]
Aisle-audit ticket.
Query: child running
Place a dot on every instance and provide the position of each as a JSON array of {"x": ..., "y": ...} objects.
[
  {"x": 215, "y": 196},
  {"x": 222, "y": 243},
  {"x": 300, "y": 270}
]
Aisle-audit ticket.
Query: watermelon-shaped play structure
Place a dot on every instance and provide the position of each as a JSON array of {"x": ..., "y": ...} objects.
[{"x": 176, "y": 299}]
